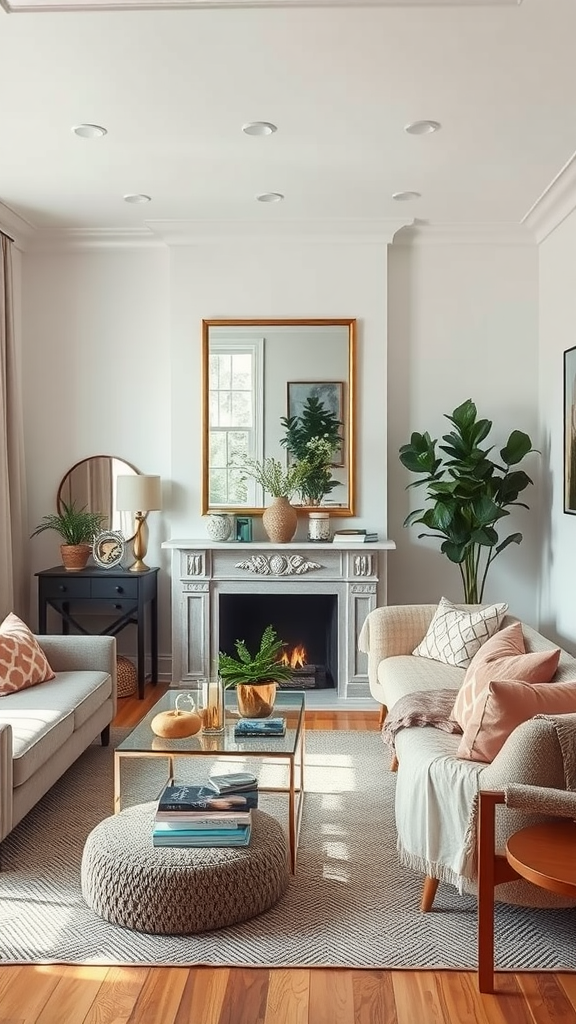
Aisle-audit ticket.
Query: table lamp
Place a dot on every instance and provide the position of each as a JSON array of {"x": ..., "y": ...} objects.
[{"x": 139, "y": 494}]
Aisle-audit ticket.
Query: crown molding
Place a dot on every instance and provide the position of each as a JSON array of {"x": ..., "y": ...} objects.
[
  {"x": 15, "y": 6},
  {"x": 15, "y": 226},
  {"x": 420, "y": 233},
  {"x": 92, "y": 239},
  {"x": 182, "y": 232},
  {"x": 555, "y": 204}
]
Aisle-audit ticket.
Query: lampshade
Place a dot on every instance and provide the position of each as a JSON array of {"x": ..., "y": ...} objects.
[{"x": 138, "y": 493}]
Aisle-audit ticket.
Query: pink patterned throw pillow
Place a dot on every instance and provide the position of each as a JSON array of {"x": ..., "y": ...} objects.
[{"x": 22, "y": 660}]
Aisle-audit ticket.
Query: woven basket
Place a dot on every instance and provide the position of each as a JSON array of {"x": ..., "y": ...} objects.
[{"x": 126, "y": 677}]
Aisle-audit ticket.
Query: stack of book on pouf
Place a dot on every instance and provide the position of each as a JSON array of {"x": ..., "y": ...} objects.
[{"x": 219, "y": 813}]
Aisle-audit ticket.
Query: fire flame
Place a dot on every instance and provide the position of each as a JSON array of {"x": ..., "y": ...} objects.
[{"x": 296, "y": 658}]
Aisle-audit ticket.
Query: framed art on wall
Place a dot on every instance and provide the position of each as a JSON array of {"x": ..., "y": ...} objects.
[
  {"x": 570, "y": 430},
  {"x": 329, "y": 392}
]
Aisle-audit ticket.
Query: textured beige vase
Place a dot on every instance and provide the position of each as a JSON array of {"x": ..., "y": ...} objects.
[
  {"x": 256, "y": 700},
  {"x": 280, "y": 521},
  {"x": 75, "y": 556}
]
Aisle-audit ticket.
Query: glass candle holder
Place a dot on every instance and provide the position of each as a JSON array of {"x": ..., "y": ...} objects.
[
  {"x": 212, "y": 712},
  {"x": 318, "y": 526}
]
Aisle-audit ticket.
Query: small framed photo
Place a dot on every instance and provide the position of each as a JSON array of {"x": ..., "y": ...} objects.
[
  {"x": 108, "y": 549},
  {"x": 329, "y": 392},
  {"x": 570, "y": 431}
]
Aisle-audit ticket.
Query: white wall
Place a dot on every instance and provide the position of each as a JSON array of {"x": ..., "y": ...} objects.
[
  {"x": 96, "y": 375},
  {"x": 463, "y": 323},
  {"x": 557, "y": 333},
  {"x": 278, "y": 278}
]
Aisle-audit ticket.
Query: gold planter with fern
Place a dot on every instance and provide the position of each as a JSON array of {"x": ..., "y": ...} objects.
[{"x": 255, "y": 678}]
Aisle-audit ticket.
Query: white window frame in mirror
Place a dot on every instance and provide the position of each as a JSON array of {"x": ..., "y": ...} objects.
[
  {"x": 215, "y": 331},
  {"x": 232, "y": 345}
]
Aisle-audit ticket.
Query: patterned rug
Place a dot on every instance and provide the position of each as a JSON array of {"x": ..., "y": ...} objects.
[{"x": 349, "y": 905}]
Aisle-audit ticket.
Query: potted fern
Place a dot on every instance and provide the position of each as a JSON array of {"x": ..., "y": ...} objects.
[
  {"x": 77, "y": 528},
  {"x": 255, "y": 677}
]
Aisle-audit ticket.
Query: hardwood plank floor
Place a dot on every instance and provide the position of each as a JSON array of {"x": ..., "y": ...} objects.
[{"x": 176, "y": 995}]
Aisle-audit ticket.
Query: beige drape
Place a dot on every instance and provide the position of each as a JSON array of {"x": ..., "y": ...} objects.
[{"x": 14, "y": 573}]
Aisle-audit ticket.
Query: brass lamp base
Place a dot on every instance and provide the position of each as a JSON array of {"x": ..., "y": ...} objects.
[{"x": 140, "y": 543}]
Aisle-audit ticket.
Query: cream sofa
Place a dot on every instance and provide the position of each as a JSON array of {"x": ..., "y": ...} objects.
[
  {"x": 44, "y": 728},
  {"x": 436, "y": 791}
]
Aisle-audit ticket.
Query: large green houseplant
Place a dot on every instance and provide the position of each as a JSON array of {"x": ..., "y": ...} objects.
[
  {"x": 255, "y": 676},
  {"x": 468, "y": 492}
]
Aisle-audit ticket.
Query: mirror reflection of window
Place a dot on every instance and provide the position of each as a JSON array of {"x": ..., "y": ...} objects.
[{"x": 235, "y": 418}]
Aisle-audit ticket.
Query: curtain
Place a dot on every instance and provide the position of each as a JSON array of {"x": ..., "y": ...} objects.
[{"x": 14, "y": 570}]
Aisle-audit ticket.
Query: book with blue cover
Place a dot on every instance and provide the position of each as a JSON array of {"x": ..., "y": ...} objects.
[
  {"x": 260, "y": 727},
  {"x": 199, "y": 838}
]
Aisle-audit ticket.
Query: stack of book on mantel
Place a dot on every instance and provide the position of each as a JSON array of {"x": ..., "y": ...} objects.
[
  {"x": 218, "y": 813},
  {"x": 354, "y": 537}
]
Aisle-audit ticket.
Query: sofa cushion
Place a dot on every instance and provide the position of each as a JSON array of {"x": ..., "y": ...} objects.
[
  {"x": 501, "y": 657},
  {"x": 508, "y": 703},
  {"x": 455, "y": 635},
  {"x": 43, "y": 719},
  {"x": 404, "y": 674},
  {"x": 22, "y": 661}
]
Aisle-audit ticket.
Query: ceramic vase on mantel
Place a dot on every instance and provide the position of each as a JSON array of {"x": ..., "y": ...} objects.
[{"x": 280, "y": 521}]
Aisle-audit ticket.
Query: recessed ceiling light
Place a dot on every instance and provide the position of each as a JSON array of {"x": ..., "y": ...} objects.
[
  {"x": 422, "y": 127},
  {"x": 403, "y": 197},
  {"x": 259, "y": 128},
  {"x": 89, "y": 131},
  {"x": 270, "y": 197},
  {"x": 137, "y": 198}
]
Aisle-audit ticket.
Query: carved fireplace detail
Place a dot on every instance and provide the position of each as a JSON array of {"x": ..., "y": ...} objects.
[{"x": 203, "y": 571}]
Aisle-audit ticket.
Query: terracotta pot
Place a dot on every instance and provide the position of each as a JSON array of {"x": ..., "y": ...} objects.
[
  {"x": 256, "y": 700},
  {"x": 280, "y": 521},
  {"x": 75, "y": 556}
]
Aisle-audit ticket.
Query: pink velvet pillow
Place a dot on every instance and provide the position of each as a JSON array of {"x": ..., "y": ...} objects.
[
  {"x": 508, "y": 703},
  {"x": 501, "y": 657},
  {"x": 22, "y": 660}
]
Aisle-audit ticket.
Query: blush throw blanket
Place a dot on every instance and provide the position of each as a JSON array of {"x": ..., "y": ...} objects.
[{"x": 423, "y": 707}]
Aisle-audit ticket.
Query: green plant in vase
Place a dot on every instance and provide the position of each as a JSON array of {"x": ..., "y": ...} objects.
[
  {"x": 77, "y": 527},
  {"x": 312, "y": 439},
  {"x": 255, "y": 677}
]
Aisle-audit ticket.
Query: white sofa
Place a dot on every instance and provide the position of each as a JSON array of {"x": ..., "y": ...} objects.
[
  {"x": 44, "y": 728},
  {"x": 436, "y": 791}
]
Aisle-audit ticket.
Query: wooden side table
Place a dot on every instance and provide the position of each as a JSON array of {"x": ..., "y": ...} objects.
[
  {"x": 119, "y": 593},
  {"x": 543, "y": 854}
]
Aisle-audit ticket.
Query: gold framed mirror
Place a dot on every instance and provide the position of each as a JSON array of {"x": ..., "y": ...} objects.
[
  {"x": 91, "y": 483},
  {"x": 254, "y": 373}
]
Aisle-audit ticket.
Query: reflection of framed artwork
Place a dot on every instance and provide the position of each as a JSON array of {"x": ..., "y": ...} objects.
[
  {"x": 329, "y": 392},
  {"x": 570, "y": 431},
  {"x": 108, "y": 549}
]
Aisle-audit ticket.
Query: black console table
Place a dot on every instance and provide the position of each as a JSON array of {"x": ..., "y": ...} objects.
[{"x": 116, "y": 592}]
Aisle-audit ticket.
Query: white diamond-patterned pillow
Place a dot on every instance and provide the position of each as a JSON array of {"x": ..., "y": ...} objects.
[{"x": 455, "y": 635}]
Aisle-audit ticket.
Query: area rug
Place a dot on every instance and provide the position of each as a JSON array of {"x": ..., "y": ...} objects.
[{"x": 349, "y": 904}]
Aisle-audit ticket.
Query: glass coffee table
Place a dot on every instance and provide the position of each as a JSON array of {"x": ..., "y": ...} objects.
[{"x": 288, "y": 749}]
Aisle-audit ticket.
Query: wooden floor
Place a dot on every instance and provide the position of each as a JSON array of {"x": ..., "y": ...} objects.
[{"x": 177, "y": 995}]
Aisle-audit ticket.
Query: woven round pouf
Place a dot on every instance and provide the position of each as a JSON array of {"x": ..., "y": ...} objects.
[
  {"x": 175, "y": 891},
  {"x": 126, "y": 677}
]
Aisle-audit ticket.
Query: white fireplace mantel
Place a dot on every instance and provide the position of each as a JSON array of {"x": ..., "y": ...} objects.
[{"x": 202, "y": 570}]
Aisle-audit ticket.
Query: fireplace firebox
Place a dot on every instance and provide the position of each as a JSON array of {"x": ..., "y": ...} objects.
[{"x": 307, "y": 623}]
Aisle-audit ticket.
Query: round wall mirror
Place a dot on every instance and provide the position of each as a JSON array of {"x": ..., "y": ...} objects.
[{"x": 91, "y": 484}]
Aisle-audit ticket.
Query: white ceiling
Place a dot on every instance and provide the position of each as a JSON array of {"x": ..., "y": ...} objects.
[{"x": 174, "y": 87}]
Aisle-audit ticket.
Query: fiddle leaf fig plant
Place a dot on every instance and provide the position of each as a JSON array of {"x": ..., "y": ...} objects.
[{"x": 468, "y": 492}]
